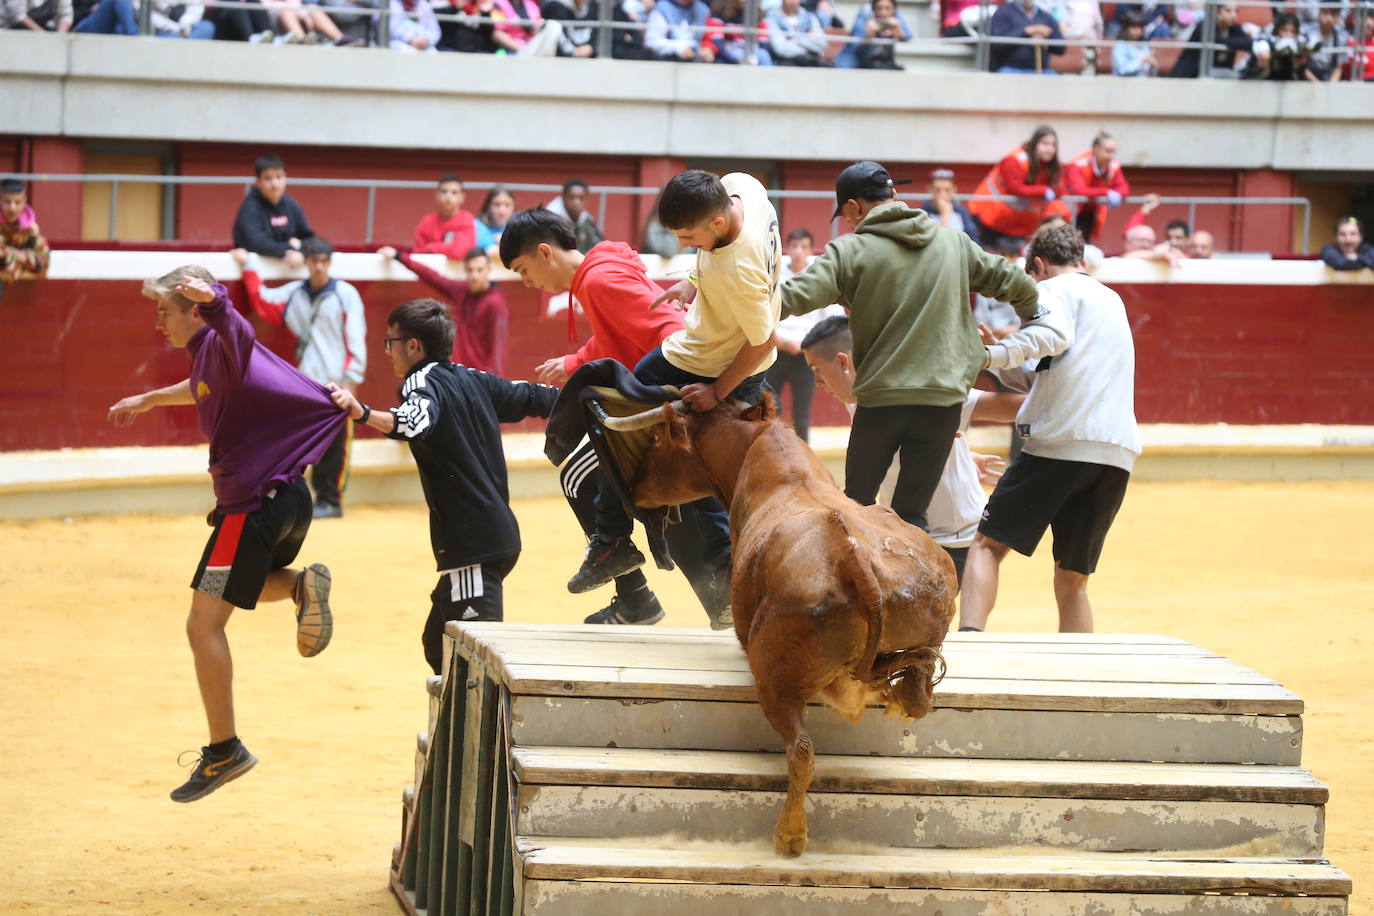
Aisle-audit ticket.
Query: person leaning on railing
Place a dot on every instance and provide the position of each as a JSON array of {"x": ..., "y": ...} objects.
[
  {"x": 1327, "y": 38},
  {"x": 22, "y": 246},
  {"x": 1224, "y": 60},
  {"x": 1023, "y": 19},
  {"x": 1349, "y": 250},
  {"x": 796, "y": 37}
]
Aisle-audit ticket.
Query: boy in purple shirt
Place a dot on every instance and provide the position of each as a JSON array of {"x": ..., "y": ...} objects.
[{"x": 266, "y": 422}]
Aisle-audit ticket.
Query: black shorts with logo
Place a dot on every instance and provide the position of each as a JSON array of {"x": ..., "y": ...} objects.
[
  {"x": 1075, "y": 499},
  {"x": 246, "y": 546}
]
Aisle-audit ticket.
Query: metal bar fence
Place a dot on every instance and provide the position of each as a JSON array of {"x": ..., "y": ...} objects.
[
  {"x": 604, "y": 193},
  {"x": 750, "y": 30}
]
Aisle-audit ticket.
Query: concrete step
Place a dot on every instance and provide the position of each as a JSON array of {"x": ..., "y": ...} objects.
[
  {"x": 1100, "y": 807},
  {"x": 600, "y": 878}
]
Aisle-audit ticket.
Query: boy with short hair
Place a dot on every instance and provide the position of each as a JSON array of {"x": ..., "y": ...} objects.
[
  {"x": 326, "y": 317},
  {"x": 266, "y": 422},
  {"x": 451, "y": 230},
  {"x": 481, "y": 316},
  {"x": 1080, "y": 429},
  {"x": 726, "y": 342},
  {"x": 572, "y": 203},
  {"x": 958, "y": 502},
  {"x": 615, "y": 292},
  {"x": 451, "y": 417},
  {"x": 22, "y": 246},
  {"x": 269, "y": 221}
]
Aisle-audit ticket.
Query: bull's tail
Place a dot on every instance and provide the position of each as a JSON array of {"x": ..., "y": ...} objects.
[
  {"x": 859, "y": 570},
  {"x": 911, "y": 676}
]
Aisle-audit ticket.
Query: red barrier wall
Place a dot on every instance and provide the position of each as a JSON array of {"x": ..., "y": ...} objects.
[{"x": 1204, "y": 354}]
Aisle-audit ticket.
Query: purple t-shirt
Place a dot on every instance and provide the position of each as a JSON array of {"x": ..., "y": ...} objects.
[{"x": 265, "y": 420}]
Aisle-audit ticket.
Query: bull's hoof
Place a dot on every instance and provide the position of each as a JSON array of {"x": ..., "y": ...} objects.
[{"x": 789, "y": 846}]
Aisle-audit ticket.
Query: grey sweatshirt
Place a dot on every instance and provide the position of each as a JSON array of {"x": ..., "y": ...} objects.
[
  {"x": 1082, "y": 399},
  {"x": 331, "y": 332}
]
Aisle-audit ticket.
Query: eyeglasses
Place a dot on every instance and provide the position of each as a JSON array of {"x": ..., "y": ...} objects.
[{"x": 388, "y": 341}]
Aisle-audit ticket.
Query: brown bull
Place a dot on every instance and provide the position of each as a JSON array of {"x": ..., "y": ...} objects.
[{"x": 832, "y": 600}]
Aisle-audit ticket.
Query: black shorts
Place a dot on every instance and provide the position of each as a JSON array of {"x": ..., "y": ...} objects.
[
  {"x": 1077, "y": 500},
  {"x": 246, "y": 546},
  {"x": 471, "y": 593}
]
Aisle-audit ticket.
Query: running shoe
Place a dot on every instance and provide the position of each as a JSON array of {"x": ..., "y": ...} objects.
[
  {"x": 314, "y": 622},
  {"x": 635, "y": 612},
  {"x": 603, "y": 562},
  {"x": 210, "y": 773}
]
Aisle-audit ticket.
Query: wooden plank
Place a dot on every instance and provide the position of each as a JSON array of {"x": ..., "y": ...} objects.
[
  {"x": 476, "y": 687},
  {"x": 983, "y": 733},
  {"x": 614, "y": 636},
  {"x": 1018, "y": 666},
  {"x": 604, "y": 898},
  {"x": 466, "y": 631},
  {"x": 854, "y": 821},
  {"x": 932, "y": 868},
  {"x": 578, "y": 766},
  {"x": 953, "y": 692}
]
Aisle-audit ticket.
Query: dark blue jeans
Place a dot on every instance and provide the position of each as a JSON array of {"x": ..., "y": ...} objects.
[
  {"x": 612, "y": 521},
  {"x": 111, "y": 17}
]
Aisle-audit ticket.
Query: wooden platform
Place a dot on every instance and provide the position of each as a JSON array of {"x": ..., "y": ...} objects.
[{"x": 573, "y": 769}]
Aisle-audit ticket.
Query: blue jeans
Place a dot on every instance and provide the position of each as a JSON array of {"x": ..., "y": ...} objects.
[
  {"x": 1045, "y": 72},
  {"x": 611, "y": 520},
  {"x": 111, "y": 17},
  {"x": 202, "y": 31}
]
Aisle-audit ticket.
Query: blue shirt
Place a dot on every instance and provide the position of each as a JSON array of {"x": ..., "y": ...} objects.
[{"x": 1010, "y": 21}]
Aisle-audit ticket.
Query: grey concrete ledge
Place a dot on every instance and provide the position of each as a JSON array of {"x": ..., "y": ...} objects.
[{"x": 115, "y": 87}]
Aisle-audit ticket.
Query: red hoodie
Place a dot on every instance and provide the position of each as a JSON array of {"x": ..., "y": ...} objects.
[
  {"x": 615, "y": 292},
  {"x": 454, "y": 237}
]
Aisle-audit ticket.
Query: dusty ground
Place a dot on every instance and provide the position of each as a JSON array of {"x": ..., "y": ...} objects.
[{"x": 98, "y": 692}]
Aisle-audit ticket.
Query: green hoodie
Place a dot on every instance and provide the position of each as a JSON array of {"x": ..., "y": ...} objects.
[{"x": 906, "y": 282}]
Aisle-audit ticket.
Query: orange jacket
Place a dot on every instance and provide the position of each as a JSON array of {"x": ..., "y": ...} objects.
[
  {"x": 1082, "y": 179},
  {"x": 1019, "y": 217}
]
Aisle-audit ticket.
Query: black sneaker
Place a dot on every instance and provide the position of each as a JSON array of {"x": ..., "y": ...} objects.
[
  {"x": 326, "y": 510},
  {"x": 210, "y": 774},
  {"x": 642, "y": 612},
  {"x": 605, "y": 561},
  {"x": 314, "y": 622},
  {"x": 716, "y": 599}
]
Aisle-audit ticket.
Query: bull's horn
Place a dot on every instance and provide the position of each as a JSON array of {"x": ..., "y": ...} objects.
[{"x": 650, "y": 417}]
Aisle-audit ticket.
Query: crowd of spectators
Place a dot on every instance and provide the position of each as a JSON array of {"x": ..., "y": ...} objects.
[{"x": 1311, "y": 42}]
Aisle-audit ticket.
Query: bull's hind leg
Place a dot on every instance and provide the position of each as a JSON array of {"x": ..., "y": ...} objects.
[
  {"x": 787, "y": 715},
  {"x": 791, "y": 664}
]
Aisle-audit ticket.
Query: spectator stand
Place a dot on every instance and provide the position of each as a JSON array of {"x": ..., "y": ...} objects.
[{"x": 927, "y": 50}]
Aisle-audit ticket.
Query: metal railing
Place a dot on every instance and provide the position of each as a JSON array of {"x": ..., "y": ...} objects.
[
  {"x": 982, "y": 41},
  {"x": 603, "y": 193}
]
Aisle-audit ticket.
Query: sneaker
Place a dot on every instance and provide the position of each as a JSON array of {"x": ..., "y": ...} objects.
[
  {"x": 264, "y": 37},
  {"x": 715, "y": 597},
  {"x": 314, "y": 623},
  {"x": 643, "y": 612},
  {"x": 210, "y": 774},
  {"x": 348, "y": 41},
  {"x": 326, "y": 510},
  {"x": 605, "y": 561}
]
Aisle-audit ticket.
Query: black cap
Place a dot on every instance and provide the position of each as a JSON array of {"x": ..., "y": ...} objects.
[{"x": 862, "y": 181}]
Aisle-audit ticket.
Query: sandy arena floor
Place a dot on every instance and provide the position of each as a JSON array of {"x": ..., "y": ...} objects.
[{"x": 99, "y": 695}]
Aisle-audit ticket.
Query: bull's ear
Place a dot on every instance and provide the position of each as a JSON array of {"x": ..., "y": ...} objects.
[
  {"x": 767, "y": 409},
  {"x": 677, "y": 429}
]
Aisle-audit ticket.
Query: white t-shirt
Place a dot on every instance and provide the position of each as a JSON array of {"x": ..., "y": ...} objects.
[
  {"x": 738, "y": 296},
  {"x": 957, "y": 505}
]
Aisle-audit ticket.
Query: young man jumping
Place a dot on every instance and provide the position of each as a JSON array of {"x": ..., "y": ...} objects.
[
  {"x": 615, "y": 292},
  {"x": 266, "y": 423},
  {"x": 725, "y": 345}
]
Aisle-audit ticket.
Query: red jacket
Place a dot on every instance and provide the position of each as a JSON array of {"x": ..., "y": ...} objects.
[
  {"x": 1021, "y": 217},
  {"x": 615, "y": 292},
  {"x": 480, "y": 320},
  {"x": 455, "y": 236},
  {"x": 1082, "y": 179}
]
